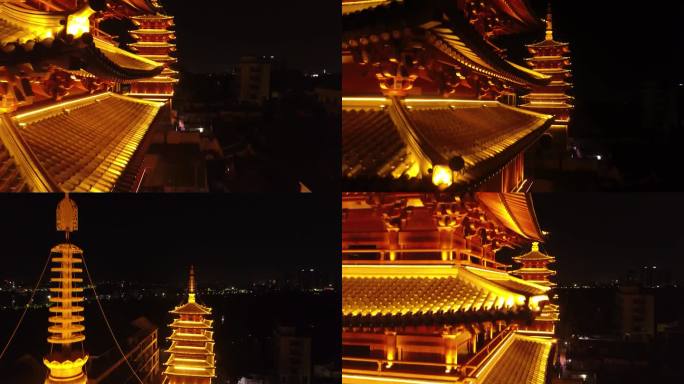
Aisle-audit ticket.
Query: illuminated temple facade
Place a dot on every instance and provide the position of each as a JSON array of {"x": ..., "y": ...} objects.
[
  {"x": 429, "y": 100},
  {"x": 424, "y": 298},
  {"x": 76, "y": 107},
  {"x": 551, "y": 58},
  {"x": 191, "y": 354}
]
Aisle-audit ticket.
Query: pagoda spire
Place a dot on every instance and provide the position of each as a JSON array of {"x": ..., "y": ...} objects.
[
  {"x": 67, "y": 357},
  {"x": 191, "y": 285},
  {"x": 549, "y": 23}
]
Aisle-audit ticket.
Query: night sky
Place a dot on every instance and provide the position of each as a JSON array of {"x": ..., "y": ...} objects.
[
  {"x": 212, "y": 35},
  {"x": 154, "y": 238},
  {"x": 599, "y": 236}
]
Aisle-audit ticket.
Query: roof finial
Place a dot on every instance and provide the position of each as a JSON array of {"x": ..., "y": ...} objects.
[
  {"x": 535, "y": 246},
  {"x": 191, "y": 285},
  {"x": 549, "y": 23},
  {"x": 67, "y": 216}
]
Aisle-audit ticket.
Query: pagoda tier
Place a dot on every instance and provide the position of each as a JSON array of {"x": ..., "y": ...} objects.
[
  {"x": 551, "y": 58},
  {"x": 535, "y": 266},
  {"x": 191, "y": 352},
  {"x": 423, "y": 298},
  {"x": 154, "y": 42},
  {"x": 66, "y": 358}
]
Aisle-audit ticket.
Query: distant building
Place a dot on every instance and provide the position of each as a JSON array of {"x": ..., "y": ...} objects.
[
  {"x": 254, "y": 76},
  {"x": 142, "y": 351},
  {"x": 293, "y": 357},
  {"x": 636, "y": 312}
]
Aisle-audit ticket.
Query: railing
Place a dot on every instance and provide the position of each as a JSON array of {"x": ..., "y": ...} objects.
[
  {"x": 384, "y": 362},
  {"x": 480, "y": 357},
  {"x": 461, "y": 257},
  {"x": 466, "y": 369}
]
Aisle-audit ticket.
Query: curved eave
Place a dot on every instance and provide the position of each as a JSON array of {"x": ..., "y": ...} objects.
[
  {"x": 547, "y": 44},
  {"x": 444, "y": 20},
  {"x": 515, "y": 211},
  {"x": 110, "y": 62},
  {"x": 351, "y": 6},
  {"x": 145, "y": 6},
  {"x": 19, "y": 24},
  {"x": 521, "y": 13}
]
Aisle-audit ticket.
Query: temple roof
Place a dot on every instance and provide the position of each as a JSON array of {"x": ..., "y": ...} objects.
[
  {"x": 534, "y": 255},
  {"x": 204, "y": 324},
  {"x": 19, "y": 24},
  {"x": 191, "y": 309},
  {"x": 547, "y": 43},
  {"x": 423, "y": 290},
  {"x": 147, "y": 6},
  {"x": 518, "y": 11},
  {"x": 513, "y": 210},
  {"x": 205, "y": 350},
  {"x": 455, "y": 37},
  {"x": 10, "y": 177},
  {"x": 523, "y": 359},
  {"x": 205, "y": 336},
  {"x": 77, "y": 145},
  {"x": 386, "y": 138},
  {"x": 510, "y": 282},
  {"x": 37, "y": 37}
]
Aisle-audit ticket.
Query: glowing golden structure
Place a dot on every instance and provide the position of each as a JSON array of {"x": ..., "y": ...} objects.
[
  {"x": 550, "y": 57},
  {"x": 64, "y": 125},
  {"x": 154, "y": 43},
  {"x": 535, "y": 266},
  {"x": 432, "y": 105},
  {"x": 424, "y": 299},
  {"x": 191, "y": 359},
  {"x": 67, "y": 357}
]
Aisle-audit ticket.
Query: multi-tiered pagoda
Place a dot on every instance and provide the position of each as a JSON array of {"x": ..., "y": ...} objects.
[
  {"x": 424, "y": 299},
  {"x": 430, "y": 100},
  {"x": 550, "y": 57},
  {"x": 66, "y": 123},
  {"x": 191, "y": 352},
  {"x": 67, "y": 356},
  {"x": 154, "y": 42},
  {"x": 534, "y": 266}
]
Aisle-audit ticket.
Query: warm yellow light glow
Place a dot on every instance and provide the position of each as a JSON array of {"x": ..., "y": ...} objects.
[
  {"x": 366, "y": 378},
  {"x": 442, "y": 176},
  {"x": 78, "y": 22}
]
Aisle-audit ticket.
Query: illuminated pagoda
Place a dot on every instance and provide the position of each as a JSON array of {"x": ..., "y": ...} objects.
[
  {"x": 154, "y": 43},
  {"x": 66, "y": 123},
  {"x": 191, "y": 352},
  {"x": 424, "y": 298},
  {"x": 67, "y": 356},
  {"x": 535, "y": 266},
  {"x": 550, "y": 57},
  {"x": 429, "y": 100}
]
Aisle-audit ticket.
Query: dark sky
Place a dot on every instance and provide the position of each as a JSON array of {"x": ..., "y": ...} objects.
[
  {"x": 213, "y": 34},
  {"x": 599, "y": 236},
  {"x": 153, "y": 238},
  {"x": 615, "y": 45}
]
